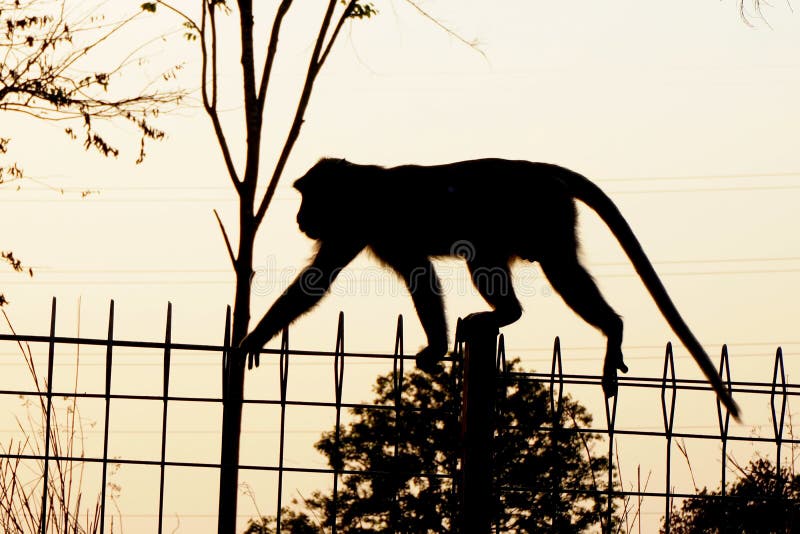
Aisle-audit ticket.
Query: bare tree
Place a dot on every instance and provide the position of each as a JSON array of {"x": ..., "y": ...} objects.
[{"x": 255, "y": 79}]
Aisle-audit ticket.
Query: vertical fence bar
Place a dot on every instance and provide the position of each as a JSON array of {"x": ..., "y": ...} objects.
[
  {"x": 611, "y": 422},
  {"x": 668, "y": 380},
  {"x": 48, "y": 416},
  {"x": 778, "y": 419},
  {"x": 477, "y": 501},
  {"x": 397, "y": 382},
  {"x": 501, "y": 367},
  {"x": 556, "y": 370},
  {"x": 338, "y": 378},
  {"x": 167, "y": 357},
  {"x": 283, "y": 370},
  {"x": 556, "y": 425},
  {"x": 457, "y": 370},
  {"x": 724, "y": 422},
  {"x": 232, "y": 402},
  {"x": 109, "y": 354},
  {"x": 501, "y": 380}
]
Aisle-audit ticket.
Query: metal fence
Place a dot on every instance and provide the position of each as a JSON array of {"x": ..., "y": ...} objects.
[{"x": 778, "y": 391}]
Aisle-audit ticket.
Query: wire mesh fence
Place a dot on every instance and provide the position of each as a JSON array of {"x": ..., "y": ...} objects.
[{"x": 513, "y": 497}]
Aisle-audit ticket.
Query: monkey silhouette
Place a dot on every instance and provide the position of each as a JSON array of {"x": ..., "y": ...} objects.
[{"x": 487, "y": 211}]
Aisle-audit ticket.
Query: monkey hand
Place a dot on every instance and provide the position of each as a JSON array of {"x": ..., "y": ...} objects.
[{"x": 251, "y": 347}]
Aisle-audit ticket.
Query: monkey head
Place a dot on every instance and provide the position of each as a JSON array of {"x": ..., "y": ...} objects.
[{"x": 326, "y": 207}]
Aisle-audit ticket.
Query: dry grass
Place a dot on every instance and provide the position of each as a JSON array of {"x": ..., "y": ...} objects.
[{"x": 22, "y": 478}]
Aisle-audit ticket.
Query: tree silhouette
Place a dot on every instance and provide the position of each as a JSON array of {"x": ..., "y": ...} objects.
[
  {"x": 760, "y": 501},
  {"x": 403, "y": 465}
]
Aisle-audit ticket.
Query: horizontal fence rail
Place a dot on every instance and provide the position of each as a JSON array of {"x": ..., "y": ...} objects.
[{"x": 778, "y": 392}]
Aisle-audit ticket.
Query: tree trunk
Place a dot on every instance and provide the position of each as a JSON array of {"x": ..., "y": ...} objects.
[{"x": 233, "y": 378}]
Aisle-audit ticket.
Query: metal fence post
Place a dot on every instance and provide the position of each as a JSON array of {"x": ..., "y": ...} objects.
[
  {"x": 397, "y": 384},
  {"x": 283, "y": 369},
  {"x": 109, "y": 361},
  {"x": 724, "y": 424},
  {"x": 668, "y": 382},
  {"x": 165, "y": 385},
  {"x": 611, "y": 423},
  {"x": 233, "y": 366},
  {"x": 338, "y": 384},
  {"x": 477, "y": 497},
  {"x": 48, "y": 416}
]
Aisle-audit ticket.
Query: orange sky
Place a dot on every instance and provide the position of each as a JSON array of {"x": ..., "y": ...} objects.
[{"x": 688, "y": 117}]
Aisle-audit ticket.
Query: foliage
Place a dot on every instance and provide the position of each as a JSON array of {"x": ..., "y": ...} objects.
[
  {"x": 401, "y": 480},
  {"x": 50, "y": 71},
  {"x": 760, "y": 501},
  {"x": 291, "y": 521},
  {"x": 9, "y": 258}
]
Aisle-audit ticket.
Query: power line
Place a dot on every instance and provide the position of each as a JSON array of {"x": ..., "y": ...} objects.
[
  {"x": 698, "y": 177},
  {"x": 695, "y": 177},
  {"x": 90, "y": 270}
]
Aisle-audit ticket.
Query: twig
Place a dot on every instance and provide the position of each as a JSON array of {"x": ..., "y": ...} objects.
[
  {"x": 227, "y": 241},
  {"x": 452, "y": 33}
]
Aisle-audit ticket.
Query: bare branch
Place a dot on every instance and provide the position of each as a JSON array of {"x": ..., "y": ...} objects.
[
  {"x": 210, "y": 102},
  {"x": 231, "y": 255},
  {"x": 178, "y": 12},
  {"x": 452, "y": 33},
  {"x": 272, "y": 49},
  {"x": 336, "y": 30},
  {"x": 311, "y": 75}
]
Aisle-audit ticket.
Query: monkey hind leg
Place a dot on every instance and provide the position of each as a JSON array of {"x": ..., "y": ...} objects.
[
  {"x": 423, "y": 285},
  {"x": 579, "y": 291}
]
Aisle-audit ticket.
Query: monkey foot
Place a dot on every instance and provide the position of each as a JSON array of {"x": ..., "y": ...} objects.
[
  {"x": 428, "y": 359},
  {"x": 480, "y": 321}
]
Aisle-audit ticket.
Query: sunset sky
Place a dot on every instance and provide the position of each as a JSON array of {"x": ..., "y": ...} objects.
[{"x": 686, "y": 115}]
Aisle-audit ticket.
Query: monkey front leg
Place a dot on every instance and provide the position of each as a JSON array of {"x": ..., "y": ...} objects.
[{"x": 304, "y": 293}]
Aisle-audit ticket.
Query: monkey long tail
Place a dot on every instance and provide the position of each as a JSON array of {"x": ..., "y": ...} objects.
[{"x": 591, "y": 195}]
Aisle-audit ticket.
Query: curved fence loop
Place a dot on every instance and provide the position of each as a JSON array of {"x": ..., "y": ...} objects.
[
  {"x": 458, "y": 347},
  {"x": 556, "y": 393},
  {"x": 725, "y": 374},
  {"x": 501, "y": 366},
  {"x": 397, "y": 363},
  {"x": 668, "y": 381},
  {"x": 724, "y": 422},
  {"x": 778, "y": 393},
  {"x": 338, "y": 382}
]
